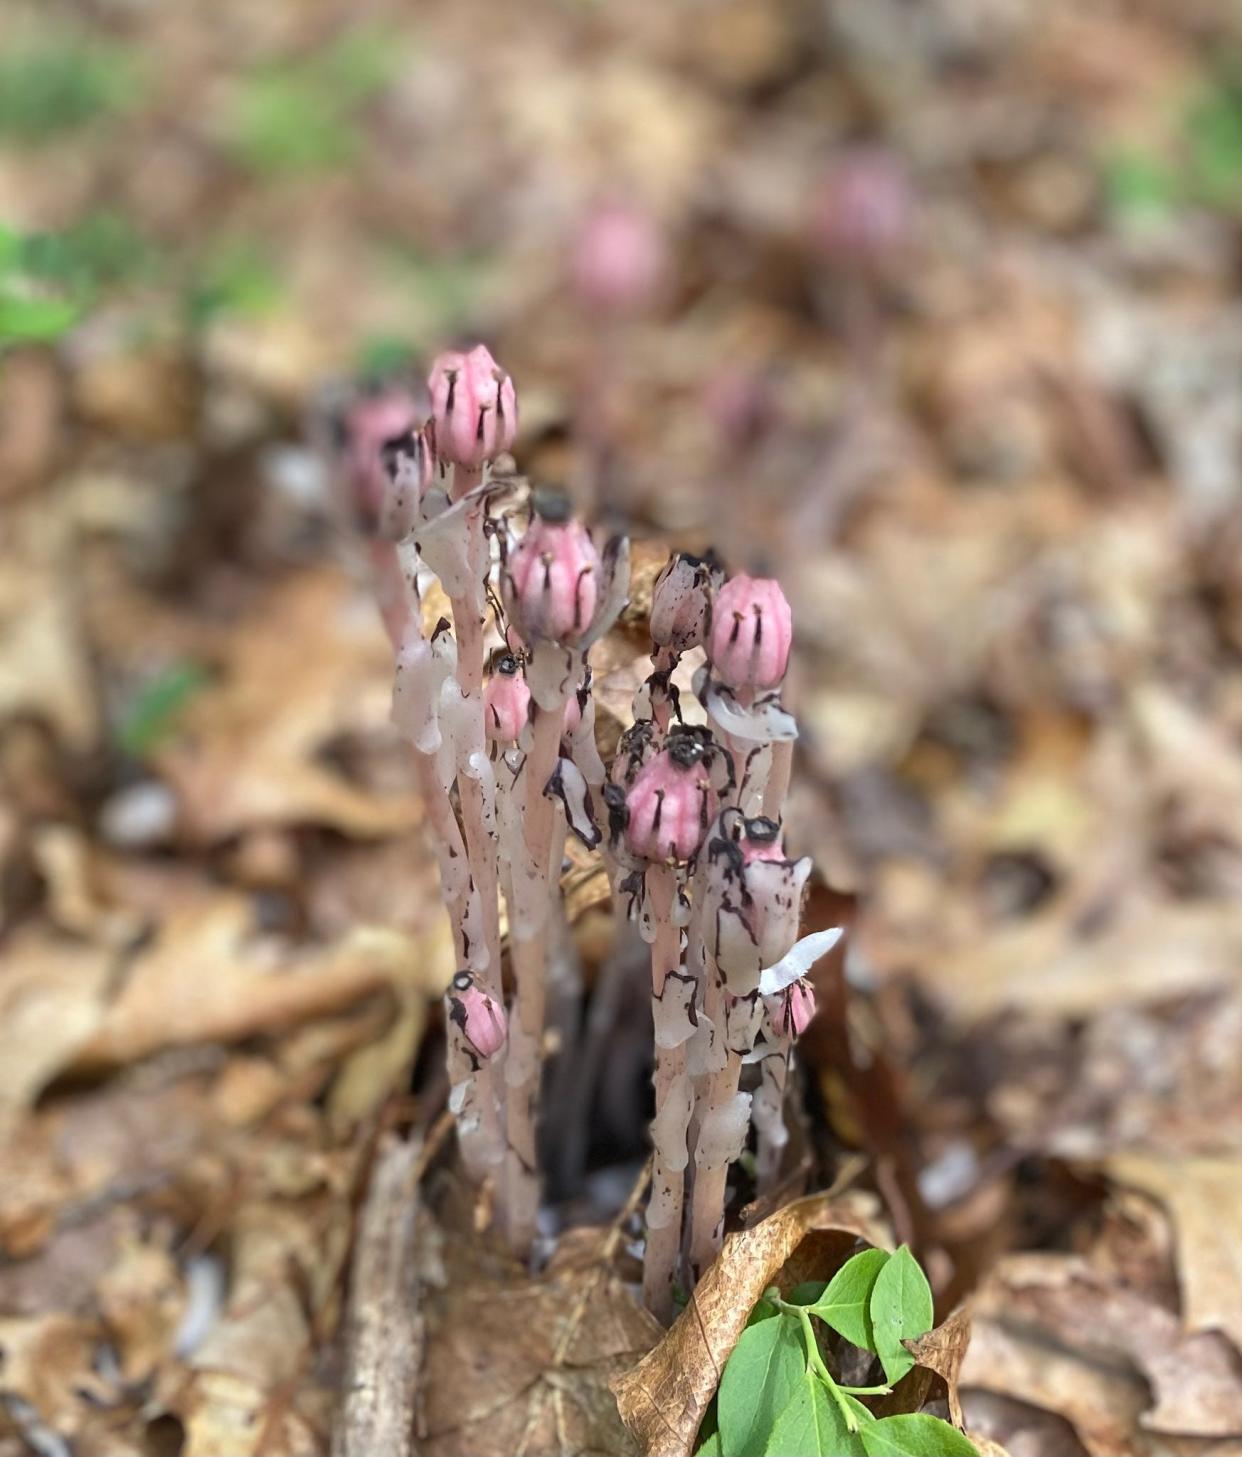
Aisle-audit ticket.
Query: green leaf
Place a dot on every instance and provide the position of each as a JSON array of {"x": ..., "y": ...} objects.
[
  {"x": 153, "y": 711},
  {"x": 34, "y": 318},
  {"x": 808, "y": 1292},
  {"x": 1139, "y": 187},
  {"x": 766, "y": 1367},
  {"x": 901, "y": 1310},
  {"x": 810, "y": 1425},
  {"x": 61, "y": 83},
  {"x": 846, "y": 1304},
  {"x": 917, "y": 1435}
]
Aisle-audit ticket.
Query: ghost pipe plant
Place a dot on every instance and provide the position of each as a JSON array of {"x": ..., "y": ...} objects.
[{"x": 497, "y": 707}]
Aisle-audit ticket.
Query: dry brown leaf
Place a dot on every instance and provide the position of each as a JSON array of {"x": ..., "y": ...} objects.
[
  {"x": 1063, "y": 1332},
  {"x": 663, "y": 1398},
  {"x": 307, "y": 664},
  {"x": 548, "y": 1393},
  {"x": 939, "y": 1354},
  {"x": 209, "y": 975},
  {"x": 1204, "y": 1199},
  {"x": 52, "y": 996}
]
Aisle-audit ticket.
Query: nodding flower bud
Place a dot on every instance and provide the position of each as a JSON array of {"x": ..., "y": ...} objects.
[
  {"x": 479, "y": 1018},
  {"x": 681, "y": 602},
  {"x": 371, "y": 421},
  {"x": 751, "y": 633},
  {"x": 552, "y": 577},
  {"x": 862, "y": 213},
  {"x": 506, "y": 701},
  {"x": 618, "y": 259},
  {"x": 790, "y": 1012},
  {"x": 409, "y": 467},
  {"x": 753, "y": 898},
  {"x": 474, "y": 407},
  {"x": 671, "y": 802}
]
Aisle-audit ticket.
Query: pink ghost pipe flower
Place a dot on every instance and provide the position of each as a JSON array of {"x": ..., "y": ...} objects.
[
  {"x": 751, "y": 633},
  {"x": 753, "y": 898},
  {"x": 479, "y": 1018},
  {"x": 474, "y": 407},
  {"x": 552, "y": 577},
  {"x": 372, "y": 421},
  {"x": 790, "y": 1012},
  {"x": 506, "y": 701},
  {"x": 862, "y": 212},
  {"x": 671, "y": 802},
  {"x": 681, "y": 602},
  {"x": 618, "y": 259},
  {"x": 410, "y": 465}
]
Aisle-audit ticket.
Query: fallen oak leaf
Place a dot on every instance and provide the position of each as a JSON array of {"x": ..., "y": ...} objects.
[
  {"x": 1204, "y": 1199},
  {"x": 306, "y": 667},
  {"x": 938, "y": 1358},
  {"x": 483, "y": 1392},
  {"x": 663, "y": 1398},
  {"x": 209, "y": 977}
]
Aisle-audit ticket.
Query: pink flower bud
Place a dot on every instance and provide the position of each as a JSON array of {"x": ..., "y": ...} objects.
[
  {"x": 671, "y": 802},
  {"x": 753, "y": 898},
  {"x": 479, "y": 1018},
  {"x": 410, "y": 466},
  {"x": 370, "y": 422},
  {"x": 741, "y": 405},
  {"x": 618, "y": 259},
  {"x": 474, "y": 407},
  {"x": 506, "y": 701},
  {"x": 553, "y": 575},
  {"x": 681, "y": 602},
  {"x": 862, "y": 213},
  {"x": 751, "y": 633},
  {"x": 790, "y": 1012}
]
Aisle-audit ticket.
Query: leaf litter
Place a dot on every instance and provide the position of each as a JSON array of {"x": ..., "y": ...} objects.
[{"x": 1015, "y": 574}]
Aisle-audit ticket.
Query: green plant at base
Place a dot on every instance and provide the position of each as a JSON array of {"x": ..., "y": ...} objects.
[{"x": 777, "y": 1396}]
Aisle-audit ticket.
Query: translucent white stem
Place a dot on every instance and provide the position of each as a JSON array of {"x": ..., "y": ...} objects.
[
  {"x": 535, "y": 885},
  {"x": 776, "y": 789},
  {"x": 672, "y": 1111},
  {"x": 472, "y": 1099},
  {"x": 769, "y": 1113}
]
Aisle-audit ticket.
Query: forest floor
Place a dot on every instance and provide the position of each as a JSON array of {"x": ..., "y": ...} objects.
[{"x": 1000, "y": 478}]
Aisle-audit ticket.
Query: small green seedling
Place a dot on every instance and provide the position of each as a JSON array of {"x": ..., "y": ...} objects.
[{"x": 777, "y": 1396}]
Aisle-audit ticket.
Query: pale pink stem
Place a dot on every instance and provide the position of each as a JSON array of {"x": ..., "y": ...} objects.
[
  {"x": 468, "y": 629},
  {"x": 483, "y": 1147},
  {"x": 776, "y": 789},
  {"x": 529, "y": 954},
  {"x": 711, "y": 1181},
  {"x": 664, "y": 660},
  {"x": 667, "y": 1178},
  {"x": 772, "y": 1137},
  {"x": 479, "y": 1133}
]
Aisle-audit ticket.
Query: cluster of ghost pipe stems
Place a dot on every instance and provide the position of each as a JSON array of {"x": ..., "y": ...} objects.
[{"x": 498, "y": 710}]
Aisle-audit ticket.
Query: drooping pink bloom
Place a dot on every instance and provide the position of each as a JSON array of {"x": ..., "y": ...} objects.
[
  {"x": 410, "y": 465},
  {"x": 619, "y": 259},
  {"x": 369, "y": 422},
  {"x": 681, "y": 602},
  {"x": 790, "y": 1012},
  {"x": 552, "y": 577},
  {"x": 474, "y": 406},
  {"x": 863, "y": 209},
  {"x": 753, "y": 898},
  {"x": 751, "y": 633},
  {"x": 671, "y": 802},
  {"x": 506, "y": 701},
  {"x": 480, "y": 1019}
]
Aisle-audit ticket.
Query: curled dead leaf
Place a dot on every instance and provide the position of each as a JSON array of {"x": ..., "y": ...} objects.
[{"x": 664, "y": 1397}]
